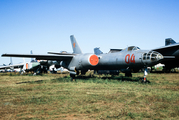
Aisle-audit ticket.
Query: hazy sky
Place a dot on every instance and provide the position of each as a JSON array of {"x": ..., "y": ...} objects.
[{"x": 46, "y": 25}]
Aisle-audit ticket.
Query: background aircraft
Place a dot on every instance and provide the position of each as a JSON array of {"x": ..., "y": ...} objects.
[
  {"x": 158, "y": 67},
  {"x": 129, "y": 59},
  {"x": 37, "y": 67},
  {"x": 171, "y": 49},
  {"x": 11, "y": 67},
  {"x": 21, "y": 67}
]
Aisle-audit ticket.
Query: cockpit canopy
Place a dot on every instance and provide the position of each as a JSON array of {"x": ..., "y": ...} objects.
[{"x": 131, "y": 48}]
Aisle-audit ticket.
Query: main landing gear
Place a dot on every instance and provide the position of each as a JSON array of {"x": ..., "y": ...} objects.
[
  {"x": 128, "y": 74},
  {"x": 72, "y": 77}
]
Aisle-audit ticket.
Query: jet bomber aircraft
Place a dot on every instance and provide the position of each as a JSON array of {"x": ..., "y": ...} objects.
[{"x": 128, "y": 60}]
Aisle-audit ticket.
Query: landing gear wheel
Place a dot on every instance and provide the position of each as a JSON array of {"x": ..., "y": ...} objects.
[
  {"x": 128, "y": 74},
  {"x": 144, "y": 81},
  {"x": 72, "y": 77}
]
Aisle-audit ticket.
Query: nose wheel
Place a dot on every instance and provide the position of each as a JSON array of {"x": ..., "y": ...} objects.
[{"x": 144, "y": 80}]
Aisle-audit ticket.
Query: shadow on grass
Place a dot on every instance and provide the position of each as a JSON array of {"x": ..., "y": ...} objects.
[
  {"x": 87, "y": 79},
  {"x": 119, "y": 78},
  {"x": 110, "y": 78},
  {"x": 32, "y": 82}
]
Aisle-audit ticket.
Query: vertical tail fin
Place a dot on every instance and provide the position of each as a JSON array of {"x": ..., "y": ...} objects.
[
  {"x": 75, "y": 46},
  {"x": 97, "y": 51},
  {"x": 24, "y": 67},
  {"x": 10, "y": 61},
  {"x": 32, "y": 59},
  {"x": 169, "y": 41}
]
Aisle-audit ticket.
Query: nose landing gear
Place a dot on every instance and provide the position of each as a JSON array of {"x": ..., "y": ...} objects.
[{"x": 144, "y": 80}]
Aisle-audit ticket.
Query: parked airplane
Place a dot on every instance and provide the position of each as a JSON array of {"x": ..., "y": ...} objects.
[
  {"x": 131, "y": 58},
  {"x": 171, "y": 49},
  {"x": 158, "y": 66},
  {"x": 21, "y": 67},
  {"x": 11, "y": 67}
]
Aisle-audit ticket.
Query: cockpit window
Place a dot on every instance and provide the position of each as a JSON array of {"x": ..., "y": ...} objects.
[
  {"x": 136, "y": 48},
  {"x": 131, "y": 48}
]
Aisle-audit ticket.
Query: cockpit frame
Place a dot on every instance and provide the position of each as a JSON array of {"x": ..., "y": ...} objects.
[{"x": 131, "y": 48}]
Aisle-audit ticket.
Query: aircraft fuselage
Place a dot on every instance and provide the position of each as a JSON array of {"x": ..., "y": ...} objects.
[{"x": 134, "y": 60}]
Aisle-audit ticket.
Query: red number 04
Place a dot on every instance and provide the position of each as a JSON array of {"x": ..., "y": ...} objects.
[{"x": 129, "y": 59}]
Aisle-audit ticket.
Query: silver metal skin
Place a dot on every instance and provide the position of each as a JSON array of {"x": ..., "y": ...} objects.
[{"x": 130, "y": 58}]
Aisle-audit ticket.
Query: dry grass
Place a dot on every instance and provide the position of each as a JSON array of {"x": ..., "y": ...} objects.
[{"x": 56, "y": 97}]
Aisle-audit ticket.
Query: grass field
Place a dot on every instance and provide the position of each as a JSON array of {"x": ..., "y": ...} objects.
[{"x": 55, "y": 96}]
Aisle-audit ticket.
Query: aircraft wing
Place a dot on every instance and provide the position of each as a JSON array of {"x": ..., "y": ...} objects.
[
  {"x": 14, "y": 66},
  {"x": 42, "y": 57},
  {"x": 167, "y": 50}
]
